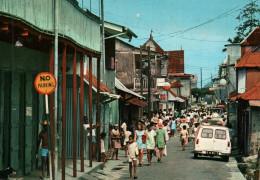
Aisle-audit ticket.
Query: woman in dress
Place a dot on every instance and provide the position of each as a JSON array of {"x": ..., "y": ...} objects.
[
  {"x": 139, "y": 136},
  {"x": 160, "y": 140},
  {"x": 115, "y": 136},
  {"x": 150, "y": 143},
  {"x": 173, "y": 127}
]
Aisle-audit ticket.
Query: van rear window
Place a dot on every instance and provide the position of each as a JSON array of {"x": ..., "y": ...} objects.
[
  {"x": 207, "y": 133},
  {"x": 220, "y": 134}
]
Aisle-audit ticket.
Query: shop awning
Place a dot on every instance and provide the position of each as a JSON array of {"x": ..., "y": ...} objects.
[
  {"x": 254, "y": 103},
  {"x": 115, "y": 30},
  {"x": 122, "y": 87},
  {"x": 137, "y": 102},
  {"x": 174, "y": 97},
  {"x": 130, "y": 96}
]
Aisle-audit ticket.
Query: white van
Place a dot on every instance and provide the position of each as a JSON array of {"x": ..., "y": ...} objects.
[{"x": 212, "y": 140}]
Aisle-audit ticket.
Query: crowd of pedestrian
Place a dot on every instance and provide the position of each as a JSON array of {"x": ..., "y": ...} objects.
[{"x": 151, "y": 136}]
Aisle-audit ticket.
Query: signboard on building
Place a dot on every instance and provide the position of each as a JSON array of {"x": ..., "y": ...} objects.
[
  {"x": 163, "y": 97},
  {"x": 160, "y": 81},
  {"x": 45, "y": 83}
]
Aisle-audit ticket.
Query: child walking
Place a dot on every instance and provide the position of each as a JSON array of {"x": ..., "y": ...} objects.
[
  {"x": 132, "y": 153},
  {"x": 102, "y": 146}
]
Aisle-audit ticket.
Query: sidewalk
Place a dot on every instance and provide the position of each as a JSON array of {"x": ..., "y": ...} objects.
[
  {"x": 69, "y": 170},
  {"x": 115, "y": 169}
]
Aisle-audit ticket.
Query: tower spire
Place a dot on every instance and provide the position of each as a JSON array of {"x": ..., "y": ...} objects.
[{"x": 151, "y": 35}]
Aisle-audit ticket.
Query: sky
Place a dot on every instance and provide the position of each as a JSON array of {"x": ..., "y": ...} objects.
[{"x": 199, "y": 27}]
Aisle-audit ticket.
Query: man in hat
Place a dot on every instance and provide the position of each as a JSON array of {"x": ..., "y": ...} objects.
[{"x": 43, "y": 137}]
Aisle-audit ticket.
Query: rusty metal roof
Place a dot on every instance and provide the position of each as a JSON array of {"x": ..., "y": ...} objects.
[
  {"x": 137, "y": 102},
  {"x": 251, "y": 94},
  {"x": 103, "y": 87},
  {"x": 253, "y": 38},
  {"x": 176, "y": 84},
  {"x": 249, "y": 60},
  {"x": 180, "y": 75},
  {"x": 176, "y": 61}
]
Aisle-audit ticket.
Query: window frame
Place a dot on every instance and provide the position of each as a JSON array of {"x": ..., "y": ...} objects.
[
  {"x": 207, "y": 137},
  {"x": 220, "y": 130}
]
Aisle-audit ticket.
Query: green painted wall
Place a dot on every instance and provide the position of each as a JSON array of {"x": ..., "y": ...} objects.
[{"x": 21, "y": 107}]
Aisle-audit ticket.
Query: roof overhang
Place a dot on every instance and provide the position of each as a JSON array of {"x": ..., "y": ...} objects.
[
  {"x": 254, "y": 103},
  {"x": 122, "y": 87},
  {"x": 114, "y": 30}
]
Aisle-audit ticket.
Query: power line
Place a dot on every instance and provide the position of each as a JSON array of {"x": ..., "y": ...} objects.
[{"x": 200, "y": 39}]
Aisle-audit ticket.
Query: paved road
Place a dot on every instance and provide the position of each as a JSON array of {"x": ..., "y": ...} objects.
[{"x": 180, "y": 165}]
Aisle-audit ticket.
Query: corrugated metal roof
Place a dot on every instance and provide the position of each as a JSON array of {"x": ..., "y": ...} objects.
[
  {"x": 179, "y": 75},
  {"x": 113, "y": 29},
  {"x": 176, "y": 61},
  {"x": 103, "y": 87},
  {"x": 81, "y": 27},
  {"x": 253, "y": 38},
  {"x": 251, "y": 94},
  {"x": 137, "y": 102},
  {"x": 249, "y": 60},
  {"x": 122, "y": 87},
  {"x": 176, "y": 84}
]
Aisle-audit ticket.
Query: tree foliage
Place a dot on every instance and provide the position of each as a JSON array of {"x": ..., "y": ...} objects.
[
  {"x": 201, "y": 92},
  {"x": 248, "y": 19}
]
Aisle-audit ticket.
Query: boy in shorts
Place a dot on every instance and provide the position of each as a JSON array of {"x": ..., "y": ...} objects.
[
  {"x": 43, "y": 137},
  {"x": 132, "y": 149}
]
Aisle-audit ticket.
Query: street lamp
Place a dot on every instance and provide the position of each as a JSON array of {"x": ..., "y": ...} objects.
[{"x": 222, "y": 82}]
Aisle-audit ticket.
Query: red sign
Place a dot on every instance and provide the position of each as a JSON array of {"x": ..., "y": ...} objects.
[
  {"x": 163, "y": 97},
  {"x": 220, "y": 105},
  {"x": 45, "y": 83}
]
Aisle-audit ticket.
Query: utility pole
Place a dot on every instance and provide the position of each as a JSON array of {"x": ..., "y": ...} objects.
[
  {"x": 141, "y": 75},
  {"x": 212, "y": 94},
  {"x": 228, "y": 77},
  {"x": 149, "y": 83},
  {"x": 103, "y": 42},
  {"x": 200, "y": 82},
  {"x": 56, "y": 30}
]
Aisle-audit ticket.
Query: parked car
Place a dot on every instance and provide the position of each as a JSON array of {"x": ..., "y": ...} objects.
[{"x": 212, "y": 140}]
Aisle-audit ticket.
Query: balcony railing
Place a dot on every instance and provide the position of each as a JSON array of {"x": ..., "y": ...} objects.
[{"x": 137, "y": 83}]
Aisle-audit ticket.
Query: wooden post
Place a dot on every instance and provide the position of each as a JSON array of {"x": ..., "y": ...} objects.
[
  {"x": 64, "y": 111},
  {"x": 75, "y": 114},
  {"x": 98, "y": 110},
  {"x": 90, "y": 111},
  {"x": 82, "y": 113}
]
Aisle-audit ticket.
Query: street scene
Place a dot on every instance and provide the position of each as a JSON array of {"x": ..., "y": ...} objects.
[{"x": 117, "y": 89}]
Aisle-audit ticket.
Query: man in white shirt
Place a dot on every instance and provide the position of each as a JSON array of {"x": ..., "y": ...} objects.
[{"x": 94, "y": 140}]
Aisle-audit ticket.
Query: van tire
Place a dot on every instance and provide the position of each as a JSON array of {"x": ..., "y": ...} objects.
[
  {"x": 196, "y": 155},
  {"x": 226, "y": 158}
]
